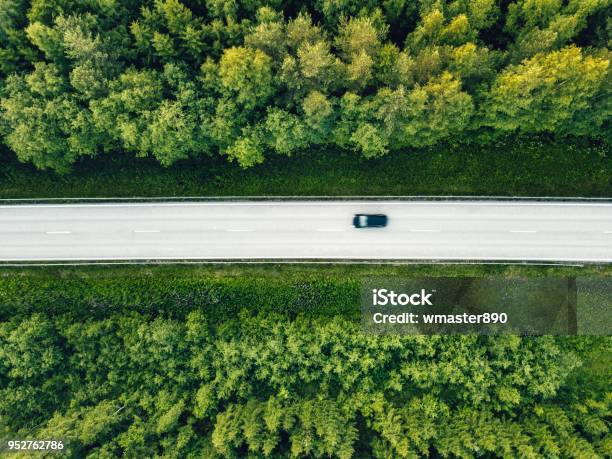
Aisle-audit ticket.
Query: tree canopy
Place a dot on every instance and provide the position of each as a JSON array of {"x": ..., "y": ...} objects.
[
  {"x": 178, "y": 79},
  {"x": 270, "y": 386}
]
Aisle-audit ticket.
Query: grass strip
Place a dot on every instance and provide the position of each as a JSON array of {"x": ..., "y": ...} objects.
[
  {"x": 222, "y": 291},
  {"x": 514, "y": 168}
]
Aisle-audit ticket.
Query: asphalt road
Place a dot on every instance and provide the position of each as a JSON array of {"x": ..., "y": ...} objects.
[{"x": 526, "y": 231}]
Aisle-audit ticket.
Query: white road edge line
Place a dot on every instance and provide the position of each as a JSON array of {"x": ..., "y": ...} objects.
[
  {"x": 303, "y": 259},
  {"x": 263, "y": 262},
  {"x": 607, "y": 232},
  {"x": 58, "y": 232},
  {"x": 523, "y": 231},
  {"x": 147, "y": 231},
  {"x": 355, "y": 204}
]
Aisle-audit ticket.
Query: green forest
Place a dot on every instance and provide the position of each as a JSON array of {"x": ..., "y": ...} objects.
[
  {"x": 109, "y": 98},
  {"x": 228, "y": 362},
  {"x": 246, "y": 79}
]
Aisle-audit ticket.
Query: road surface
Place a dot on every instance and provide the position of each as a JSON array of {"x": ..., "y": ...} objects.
[{"x": 526, "y": 231}]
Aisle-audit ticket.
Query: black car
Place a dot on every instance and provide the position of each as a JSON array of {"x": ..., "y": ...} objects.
[{"x": 370, "y": 221}]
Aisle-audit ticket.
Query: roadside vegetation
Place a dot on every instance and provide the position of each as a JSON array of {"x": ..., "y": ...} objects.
[
  {"x": 250, "y": 80},
  {"x": 222, "y": 291},
  {"x": 269, "y": 361},
  {"x": 527, "y": 167},
  {"x": 269, "y": 386}
]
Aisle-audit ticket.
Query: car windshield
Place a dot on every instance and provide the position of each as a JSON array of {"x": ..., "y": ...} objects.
[{"x": 363, "y": 220}]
